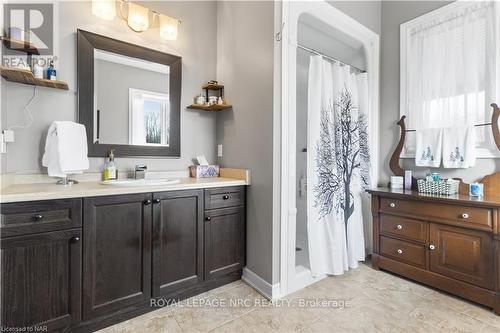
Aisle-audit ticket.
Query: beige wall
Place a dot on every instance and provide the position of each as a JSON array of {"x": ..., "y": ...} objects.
[{"x": 196, "y": 46}]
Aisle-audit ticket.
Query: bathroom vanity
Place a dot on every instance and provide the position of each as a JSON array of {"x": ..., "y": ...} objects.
[
  {"x": 448, "y": 242},
  {"x": 83, "y": 263}
]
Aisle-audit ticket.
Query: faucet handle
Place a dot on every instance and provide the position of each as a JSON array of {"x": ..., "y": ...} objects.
[{"x": 141, "y": 167}]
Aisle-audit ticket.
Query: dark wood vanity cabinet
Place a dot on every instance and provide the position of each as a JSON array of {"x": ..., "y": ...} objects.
[
  {"x": 41, "y": 271},
  {"x": 224, "y": 241},
  {"x": 130, "y": 249},
  {"x": 224, "y": 231},
  {"x": 449, "y": 243},
  {"x": 116, "y": 252},
  {"x": 177, "y": 240}
]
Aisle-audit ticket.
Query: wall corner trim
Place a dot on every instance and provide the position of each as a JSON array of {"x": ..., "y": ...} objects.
[{"x": 270, "y": 291}]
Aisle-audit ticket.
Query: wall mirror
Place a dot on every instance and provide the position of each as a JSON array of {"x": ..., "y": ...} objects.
[{"x": 128, "y": 97}]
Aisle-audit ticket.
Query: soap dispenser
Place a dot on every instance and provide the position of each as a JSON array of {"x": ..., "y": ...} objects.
[{"x": 110, "y": 169}]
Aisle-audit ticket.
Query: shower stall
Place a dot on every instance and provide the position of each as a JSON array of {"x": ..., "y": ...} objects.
[{"x": 315, "y": 29}]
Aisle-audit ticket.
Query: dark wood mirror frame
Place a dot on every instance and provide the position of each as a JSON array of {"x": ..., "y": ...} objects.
[{"x": 87, "y": 42}]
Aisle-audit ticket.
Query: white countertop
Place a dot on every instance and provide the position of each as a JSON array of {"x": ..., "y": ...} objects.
[{"x": 44, "y": 191}]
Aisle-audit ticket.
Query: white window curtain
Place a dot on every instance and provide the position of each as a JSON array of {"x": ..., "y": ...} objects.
[{"x": 452, "y": 68}]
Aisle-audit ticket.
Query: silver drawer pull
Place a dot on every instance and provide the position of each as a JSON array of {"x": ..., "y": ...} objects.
[
  {"x": 399, "y": 251},
  {"x": 392, "y": 205},
  {"x": 465, "y": 216},
  {"x": 432, "y": 247},
  {"x": 399, "y": 227}
]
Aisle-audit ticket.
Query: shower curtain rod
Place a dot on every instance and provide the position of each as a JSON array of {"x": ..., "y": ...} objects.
[{"x": 305, "y": 48}]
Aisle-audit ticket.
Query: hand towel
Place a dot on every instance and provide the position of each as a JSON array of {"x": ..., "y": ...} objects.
[
  {"x": 65, "y": 149},
  {"x": 429, "y": 147},
  {"x": 459, "y": 147}
]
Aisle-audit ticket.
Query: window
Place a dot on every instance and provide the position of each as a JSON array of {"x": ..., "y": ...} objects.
[
  {"x": 148, "y": 118},
  {"x": 450, "y": 70}
]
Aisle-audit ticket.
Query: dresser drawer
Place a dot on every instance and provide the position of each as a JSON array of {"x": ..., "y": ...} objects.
[
  {"x": 415, "y": 230},
  {"x": 479, "y": 218},
  {"x": 224, "y": 197},
  {"x": 406, "y": 252},
  {"x": 39, "y": 216}
]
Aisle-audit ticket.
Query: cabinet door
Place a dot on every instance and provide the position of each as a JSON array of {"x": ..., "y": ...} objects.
[
  {"x": 41, "y": 276},
  {"x": 116, "y": 252},
  {"x": 462, "y": 254},
  {"x": 224, "y": 241},
  {"x": 177, "y": 240}
]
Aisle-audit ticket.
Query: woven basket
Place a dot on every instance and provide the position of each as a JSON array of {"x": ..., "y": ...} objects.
[{"x": 439, "y": 187}]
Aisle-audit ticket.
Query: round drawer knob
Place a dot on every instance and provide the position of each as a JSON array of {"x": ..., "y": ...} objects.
[
  {"x": 75, "y": 239},
  {"x": 147, "y": 202},
  {"x": 156, "y": 201},
  {"x": 465, "y": 216},
  {"x": 38, "y": 217},
  {"x": 392, "y": 205},
  {"x": 432, "y": 247},
  {"x": 208, "y": 218},
  {"x": 225, "y": 197},
  {"x": 400, "y": 251},
  {"x": 399, "y": 227}
]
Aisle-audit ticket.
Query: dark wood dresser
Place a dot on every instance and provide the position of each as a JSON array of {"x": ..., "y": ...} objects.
[{"x": 448, "y": 242}]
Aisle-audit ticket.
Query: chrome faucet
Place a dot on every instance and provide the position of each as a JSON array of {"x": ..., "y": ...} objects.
[{"x": 140, "y": 171}]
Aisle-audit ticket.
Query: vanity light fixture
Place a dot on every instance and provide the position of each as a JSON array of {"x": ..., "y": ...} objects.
[
  {"x": 139, "y": 18},
  {"x": 105, "y": 9},
  {"x": 168, "y": 27}
]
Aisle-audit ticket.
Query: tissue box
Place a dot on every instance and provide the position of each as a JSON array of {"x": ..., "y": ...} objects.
[{"x": 204, "y": 171}]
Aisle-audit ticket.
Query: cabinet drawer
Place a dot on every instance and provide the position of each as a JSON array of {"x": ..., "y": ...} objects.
[
  {"x": 403, "y": 227},
  {"x": 406, "y": 252},
  {"x": 39, "y": 216},
  {"x": 224, "y": 197},
  {"x": 479, "y": 218}
]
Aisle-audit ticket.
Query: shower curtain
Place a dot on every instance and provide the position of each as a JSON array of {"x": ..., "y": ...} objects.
[{"x": 338, "y": 166}]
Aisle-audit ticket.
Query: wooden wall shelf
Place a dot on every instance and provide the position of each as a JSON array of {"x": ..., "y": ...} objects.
[
  {"x": 26, "y": 77},
  {"x": 19, "y": 45},
  {"x": 215, "y": 107},
  {"x": 213, "y": 86}
]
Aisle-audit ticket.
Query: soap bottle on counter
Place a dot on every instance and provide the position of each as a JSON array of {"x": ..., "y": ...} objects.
[{"x": 110, "y": 169}]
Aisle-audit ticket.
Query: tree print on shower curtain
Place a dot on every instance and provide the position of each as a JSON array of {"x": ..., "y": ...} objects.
[{"x": 342, "y": 153}]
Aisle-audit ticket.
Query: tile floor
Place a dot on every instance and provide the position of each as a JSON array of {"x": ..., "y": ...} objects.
[{"x": 375, "y": 302}]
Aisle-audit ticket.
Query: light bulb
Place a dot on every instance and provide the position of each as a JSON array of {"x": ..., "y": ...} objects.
[
  {"x": 105, "y": 9},
  {"x": 168, "y": 27},
  {"x": 138, "y": 17}
]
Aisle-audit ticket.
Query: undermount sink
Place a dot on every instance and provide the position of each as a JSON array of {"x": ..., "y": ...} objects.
[{"x": 140, "y": 182}]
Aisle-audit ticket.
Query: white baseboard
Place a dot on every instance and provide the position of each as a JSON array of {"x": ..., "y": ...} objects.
[{"x": 270, "y": 291}]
